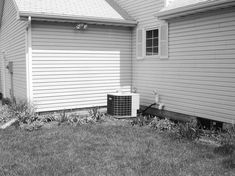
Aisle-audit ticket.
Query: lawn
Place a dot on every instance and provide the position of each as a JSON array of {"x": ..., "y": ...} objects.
[{"x": 103, "y": 149}]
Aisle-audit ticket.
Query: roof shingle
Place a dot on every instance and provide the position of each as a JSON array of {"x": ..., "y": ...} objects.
[{"x": 83, "y": 8}]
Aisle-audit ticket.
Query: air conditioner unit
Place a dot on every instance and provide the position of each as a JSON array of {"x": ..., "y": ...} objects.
[{"x": 123, "y": 104}]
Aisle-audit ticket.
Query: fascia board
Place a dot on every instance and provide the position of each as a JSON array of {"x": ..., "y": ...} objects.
[
  {"x": 75, "y": 19},
  {"x": 192, "y": 9}
]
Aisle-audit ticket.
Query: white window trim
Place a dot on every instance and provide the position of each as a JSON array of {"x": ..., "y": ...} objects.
[
  {"x": 163, "y": 53},
  {"x": 144, "y": 42}
]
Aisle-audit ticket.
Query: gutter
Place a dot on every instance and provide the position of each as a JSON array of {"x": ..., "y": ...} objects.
[
  {"x": 195, "y": 8},
  {"x": 75, "y": 19}
]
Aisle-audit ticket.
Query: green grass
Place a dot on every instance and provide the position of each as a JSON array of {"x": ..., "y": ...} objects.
[{"x": 104, "y": 150}]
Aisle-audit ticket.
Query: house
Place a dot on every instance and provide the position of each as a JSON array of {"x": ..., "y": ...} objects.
[
  {"x": 198, "y": 76},
  {"x": 183, "y": 49},
  {"x": 66, "y": 54}
]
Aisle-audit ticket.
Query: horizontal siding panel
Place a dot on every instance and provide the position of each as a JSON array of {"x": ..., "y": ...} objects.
[
  {"x": 74, "y": 86},
  {"x": 200, "y": 96},
  {"x": 61, "y": 81},
  {"x": 66, "y": 84},
  {"x": 75, "y": 105},
  {"x": 196, "y": 85},
  {"x": 188, "y": 82},
  {"x": 74, "y": 78},
  {"x": 222, "y": 93},
  {"x": 90, "y": 73},
  {"x": 194, "y": 108},
  {"x": 208, "y": 18},
  {"x": 56, "y": 96},
  {"x": 201, "y": 35},
  {"x": 69, "y": 38},
  {"x": 82, "y": 99},
  {"x": 74, "y": 69},
  {"x": 201, "y": 40}
]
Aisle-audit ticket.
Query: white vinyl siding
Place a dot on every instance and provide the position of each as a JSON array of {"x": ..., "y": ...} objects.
[
  {"x": 140, "y": 44},
  {"x": 202, "y": 64},
  {"x": 13, "y": 43},
  {"x": 76, "y": 69},
  {"x": 143, "y": 11},
  {"x": 198, "y": 78}
]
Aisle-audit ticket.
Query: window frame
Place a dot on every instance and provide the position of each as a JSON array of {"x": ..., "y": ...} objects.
[
  {"x": 163, "y": 41},
  {"x": 145, "y": 38}
]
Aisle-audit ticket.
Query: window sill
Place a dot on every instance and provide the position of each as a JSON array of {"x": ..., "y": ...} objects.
[
  {"x": 152, "y": 57},
  {"x": 158, "y": 57}
]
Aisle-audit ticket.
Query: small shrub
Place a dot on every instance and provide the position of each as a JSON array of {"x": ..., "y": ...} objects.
[
  {"x": 5, "y": 114},
  {"x": 35, "y": 125},
  {"x": 188, "y": 130},
  {"x": 23, "y": 111},
  {"x": 95, "y": 113},
  {"x": 162, "y": 124},
  {"x": 47, "y": 118},
  {"x": 73, "y": 119},
  {"x": 61, "y": 117},
  {"x": 141, "y": 120}
]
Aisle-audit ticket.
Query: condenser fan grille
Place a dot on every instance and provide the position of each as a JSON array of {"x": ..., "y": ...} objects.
[{"x": 119, "y": 105}]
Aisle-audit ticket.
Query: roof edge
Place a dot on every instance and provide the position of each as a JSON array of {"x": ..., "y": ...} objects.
[
  {"x": 75, "y": 19},
  {"x": 16, "y": 8},
  {"x": 192, "y": 9},
  {"x": 119, "y": 9}
]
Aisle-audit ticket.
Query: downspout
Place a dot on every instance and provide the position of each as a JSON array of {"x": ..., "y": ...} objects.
[
  {"x": 4, "y": 73},
  {"x": 3, "y": 56},
  {"x": 132, "y": 88},
  {"x": 29, "y": 60}
]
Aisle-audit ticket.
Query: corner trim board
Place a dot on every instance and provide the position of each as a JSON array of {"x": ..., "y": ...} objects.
[
  {"x": 29, "y": 60},
  {"x": 3, "y": 71}
]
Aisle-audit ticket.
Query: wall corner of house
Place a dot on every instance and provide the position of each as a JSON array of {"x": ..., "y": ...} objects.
[{"x": 28, "y": 41}]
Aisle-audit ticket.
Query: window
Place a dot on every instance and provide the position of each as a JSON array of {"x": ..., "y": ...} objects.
[{"x": 152, "y": 42}]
